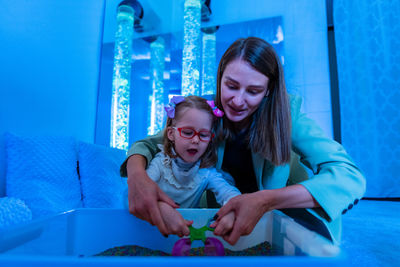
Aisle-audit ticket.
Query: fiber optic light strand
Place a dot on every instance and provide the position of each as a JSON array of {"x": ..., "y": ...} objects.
[
  {"x": 121, "y": 78},
  {"x": 156, "y": 98},
  {"x": 191, "y": 48},
  {"x": 208, "y": 84}
]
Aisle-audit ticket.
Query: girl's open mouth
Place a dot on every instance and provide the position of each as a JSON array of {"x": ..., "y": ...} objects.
[{"x": 192, "y": 151}]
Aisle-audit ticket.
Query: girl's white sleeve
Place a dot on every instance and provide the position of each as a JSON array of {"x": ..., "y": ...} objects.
[
  {"x": 219, "y": 185},
  {"x": 154, "y": 170}
]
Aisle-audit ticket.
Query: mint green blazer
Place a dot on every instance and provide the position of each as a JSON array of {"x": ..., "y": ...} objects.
[{"x": 332, "y": 177}]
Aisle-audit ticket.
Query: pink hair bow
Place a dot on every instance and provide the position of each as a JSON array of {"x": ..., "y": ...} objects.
[
  {"x": 217, "y": 112},
  {"x": 170, "y": 107}
]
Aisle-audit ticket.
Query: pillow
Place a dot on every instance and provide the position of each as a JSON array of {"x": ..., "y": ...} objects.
[
  {"x": 102, "y": 185},
  {"x": 13, "y": 211},
  {"x": 41, "y": 171}
]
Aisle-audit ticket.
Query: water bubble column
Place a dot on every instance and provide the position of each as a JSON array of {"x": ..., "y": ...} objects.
[
  {"x": 121, "y": 78},
  {"x": 209, "y": 69},
  {"x": 191, "y": 48},
  {"x": 156, "y": 98}
]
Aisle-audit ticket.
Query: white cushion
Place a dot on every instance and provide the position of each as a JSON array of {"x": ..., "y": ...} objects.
[
  {"x": 42, "y": 172},
  {"x": 102, "y": 185}
]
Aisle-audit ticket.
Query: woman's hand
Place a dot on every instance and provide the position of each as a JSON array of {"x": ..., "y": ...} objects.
[
  {"x": 144, "y": 194},
  {"x": 247, "y": 208},
  {"x": 173, "y": 220}
]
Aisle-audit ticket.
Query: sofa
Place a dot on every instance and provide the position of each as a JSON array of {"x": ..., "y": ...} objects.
[{"x": 46, "y": 175}]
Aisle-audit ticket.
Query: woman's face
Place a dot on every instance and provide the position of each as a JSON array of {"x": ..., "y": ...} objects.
[{"x": 242, "y": 90}]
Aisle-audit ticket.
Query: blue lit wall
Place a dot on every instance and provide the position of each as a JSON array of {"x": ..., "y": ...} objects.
[
  {"x": 368, "y": 54},
  {"x": 50, "y": 57}
]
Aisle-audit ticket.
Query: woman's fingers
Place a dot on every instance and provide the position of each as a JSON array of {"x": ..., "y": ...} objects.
[
  {"x": 232, "y": 237},
  {"x": 165, "y": 198},
  {"x": 248, "y": 208},
  {"x": 228, "y": 207},
  {"x": 143, "y": 202},
  {"x": 225, "y": 224}
]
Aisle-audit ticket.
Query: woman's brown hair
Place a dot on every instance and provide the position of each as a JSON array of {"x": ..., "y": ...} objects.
[
  {"x": 209, "y": 158},
  {"x": 270, "y": 128}
]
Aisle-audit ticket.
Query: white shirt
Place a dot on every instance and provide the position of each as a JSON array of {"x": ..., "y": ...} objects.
[{"x": 186, "y": 190}]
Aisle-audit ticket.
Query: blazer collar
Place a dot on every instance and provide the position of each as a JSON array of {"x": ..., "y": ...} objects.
[{"x": 258, "y": 165}]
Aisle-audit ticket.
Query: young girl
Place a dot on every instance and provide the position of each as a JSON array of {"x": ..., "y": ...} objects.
[{"x": 183, "y": 169}]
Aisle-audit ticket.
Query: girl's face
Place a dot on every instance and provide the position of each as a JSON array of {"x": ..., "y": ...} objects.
[
  {"x": 190, "y": 150},
  {"x": 242, "y": 90}
]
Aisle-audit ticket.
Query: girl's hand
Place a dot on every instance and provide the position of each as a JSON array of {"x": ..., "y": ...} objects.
[
  {"x": 144, "y": 194},
  {"x": 224, "y": 225},
  {"x": 248, "y": 209},
  {"x": 173, "y": 220}
]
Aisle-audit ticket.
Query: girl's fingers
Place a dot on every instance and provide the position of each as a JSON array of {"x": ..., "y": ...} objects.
[{"x": 188, "y": 223}]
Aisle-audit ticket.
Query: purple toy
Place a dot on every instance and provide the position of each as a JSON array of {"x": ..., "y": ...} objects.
[
  {"x": 212, "y": 246},
  {"x": 182, "y": 247}
]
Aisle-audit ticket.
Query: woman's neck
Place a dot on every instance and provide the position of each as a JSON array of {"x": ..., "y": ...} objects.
[{"x": 241, "y": 126}]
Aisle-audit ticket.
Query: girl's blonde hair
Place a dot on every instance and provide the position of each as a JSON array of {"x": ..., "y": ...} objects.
[{"x": 209, "y": 158}]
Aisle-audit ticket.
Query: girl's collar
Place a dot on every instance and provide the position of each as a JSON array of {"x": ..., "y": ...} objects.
[{"x": 183, "y": 165}]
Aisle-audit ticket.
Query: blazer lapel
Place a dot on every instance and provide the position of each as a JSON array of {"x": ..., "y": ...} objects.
[
  {"x": 258, "y": 165},
  {"x": 220, "y": 155}
]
